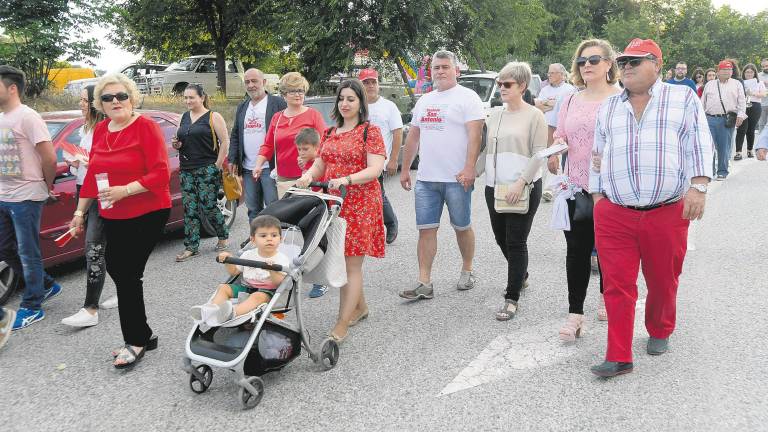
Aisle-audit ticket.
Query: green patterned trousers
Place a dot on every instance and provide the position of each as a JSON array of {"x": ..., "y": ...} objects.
[{"x": 199, "y": 193}]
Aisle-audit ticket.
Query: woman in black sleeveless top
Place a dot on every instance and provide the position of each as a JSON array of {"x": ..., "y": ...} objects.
[{"x": 203, "y": 142}]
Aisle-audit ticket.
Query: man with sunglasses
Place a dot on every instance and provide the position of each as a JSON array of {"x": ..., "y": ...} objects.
[
  {"x": 26, "y": 176},
  {"x": 546, "y": 101},
  {"x": 721, "y": 96},
  {"x": 680, "y": 78},
  {"x": 653, "y": 162}
]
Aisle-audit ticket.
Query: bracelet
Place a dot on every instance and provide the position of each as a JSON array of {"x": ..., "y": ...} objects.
[
  {"x": 79, "y": 213},
  {"x": 349, "y": 180}
]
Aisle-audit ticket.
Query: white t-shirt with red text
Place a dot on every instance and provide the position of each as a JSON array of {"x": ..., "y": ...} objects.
[
  {"x": 21, "y": 170},
  {"x": 441, "y": 117},
  {"x": 254, "y": 132},
  {"x": 384, "y": 114}
]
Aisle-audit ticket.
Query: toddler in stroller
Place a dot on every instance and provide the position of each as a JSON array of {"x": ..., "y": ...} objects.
[
  {"x": 259, "y": 283},
  {"x": 268, "y": 338}
]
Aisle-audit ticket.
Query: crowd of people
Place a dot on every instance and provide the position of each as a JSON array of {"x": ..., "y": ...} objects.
[{"x": 598, "y": 135}]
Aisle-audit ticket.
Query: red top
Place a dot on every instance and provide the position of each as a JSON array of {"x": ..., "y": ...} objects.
[
  {"x": 344, "y": 154},
  {"x": 136, "y": 153},
  {"x": 283, "y": 130}
]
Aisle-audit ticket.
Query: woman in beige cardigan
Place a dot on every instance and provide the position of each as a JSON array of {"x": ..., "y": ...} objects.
[{"x": 514, "y": 135}]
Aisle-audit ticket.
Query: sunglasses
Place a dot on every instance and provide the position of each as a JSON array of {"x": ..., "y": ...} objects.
[
  {"x": 108, "y": 97},
  {"x": 506, "y": 84},
  {"x": 593, "y": 60},
  {"x": 634, "y": 62}
]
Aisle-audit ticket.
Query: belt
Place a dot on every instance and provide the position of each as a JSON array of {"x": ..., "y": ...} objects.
[
  {"x": 717, "y": 115},
  {"x": 654, "y": 206}
]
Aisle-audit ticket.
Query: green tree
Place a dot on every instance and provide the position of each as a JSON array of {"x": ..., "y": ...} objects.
[
  {"x": 37, "y": 34},
  {"x": 169, "y": 29}
]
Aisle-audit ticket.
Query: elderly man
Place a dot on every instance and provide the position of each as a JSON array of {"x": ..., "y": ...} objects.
[
  {"x": 446, "y": 131},
  {"x": 251, "y": 123},
  {"x": 652, "y": 166},
  {"x": 546, "y": 101},
  {"x": 384, "y": 114},
  {"x": 721, "y": 96}
]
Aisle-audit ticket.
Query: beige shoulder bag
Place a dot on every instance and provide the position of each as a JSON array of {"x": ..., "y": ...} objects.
[{"x": 500, "y": 191}]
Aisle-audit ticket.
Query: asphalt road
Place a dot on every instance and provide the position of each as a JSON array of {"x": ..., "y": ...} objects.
[{"x": 441, "y": 364}]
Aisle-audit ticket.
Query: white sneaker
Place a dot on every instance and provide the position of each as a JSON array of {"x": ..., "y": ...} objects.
[
  {"x": 82, "y": 318},
  {"x": 109, "y": 303}
]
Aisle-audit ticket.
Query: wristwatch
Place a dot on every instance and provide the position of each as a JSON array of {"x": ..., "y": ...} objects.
[
  {"x": 78, "y": 213},
  {"x": 701, "y": 187}
]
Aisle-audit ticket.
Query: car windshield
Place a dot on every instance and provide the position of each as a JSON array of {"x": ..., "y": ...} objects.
[
  {"x": 482, "y": 86},
  {"x": 186, "y": 65}
]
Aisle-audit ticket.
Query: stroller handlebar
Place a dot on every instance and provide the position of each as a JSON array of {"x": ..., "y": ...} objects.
[
  {"x": 251, "y": 263},
  {"x": 324, "y": 187}
]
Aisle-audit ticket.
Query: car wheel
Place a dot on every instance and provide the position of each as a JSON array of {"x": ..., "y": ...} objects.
[
  {"x": 9, "y": 282},
  {"x": 228, "y": 208},
  {"x": 178, "y": 89}
]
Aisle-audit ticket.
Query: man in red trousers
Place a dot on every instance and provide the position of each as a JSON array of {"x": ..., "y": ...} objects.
[{"x": 652, "y": 165}]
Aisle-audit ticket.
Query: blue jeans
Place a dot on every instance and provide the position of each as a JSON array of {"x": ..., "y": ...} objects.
[
  {"x": 723, "y": 138},
  {"x": 430, "y": 198},
  {"x": 258, "y": 193},
  {"x": 20, "y": 247}
]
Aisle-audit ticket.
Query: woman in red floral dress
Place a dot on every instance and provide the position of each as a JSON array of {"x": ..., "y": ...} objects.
[{"x": 352, "y": 155}]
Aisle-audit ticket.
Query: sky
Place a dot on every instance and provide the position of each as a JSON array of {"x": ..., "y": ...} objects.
[{"x": 113, "y": 59}]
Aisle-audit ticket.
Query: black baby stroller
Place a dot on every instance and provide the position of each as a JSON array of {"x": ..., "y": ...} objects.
[{"x": 261, "y": 341}]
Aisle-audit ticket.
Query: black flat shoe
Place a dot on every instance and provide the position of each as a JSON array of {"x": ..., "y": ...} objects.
[
  {"x": 131, "y": 357},
  {"x": 737, "y": 157},
  {"x": 611, "y": 369},
  {"x": 657, "y": 346}
]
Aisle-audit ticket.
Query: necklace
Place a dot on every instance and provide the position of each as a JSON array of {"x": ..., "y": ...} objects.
[{"x": 120, "y": 132}]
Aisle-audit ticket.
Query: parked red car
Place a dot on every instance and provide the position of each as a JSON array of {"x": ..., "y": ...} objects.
[{"x": 66, "y": 126}]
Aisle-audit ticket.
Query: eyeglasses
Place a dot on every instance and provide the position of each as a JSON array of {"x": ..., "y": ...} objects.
[
  {"x": 593, "y": 60},
  {"x": 506, "y": 84},
  {"x": 634, "y": 62},
  {"x": 108, "y": 97},
  {"x": 296, "y": 92}
]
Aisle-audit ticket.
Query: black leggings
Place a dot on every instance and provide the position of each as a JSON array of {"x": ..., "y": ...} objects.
[
  {"x": 129, "y": 244},
  {"x": 511, "y": 232},
  {"x": 580, "y": 241},
  {"x": 748, "y": 127}
]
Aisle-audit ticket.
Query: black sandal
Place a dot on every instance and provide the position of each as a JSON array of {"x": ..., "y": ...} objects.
[
  {"x": 151, "y": 345},
  {"x": 131, "y": 358}
]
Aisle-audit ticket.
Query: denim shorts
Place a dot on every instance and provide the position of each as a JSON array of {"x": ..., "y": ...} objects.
[{"x": 430, "y": 197}]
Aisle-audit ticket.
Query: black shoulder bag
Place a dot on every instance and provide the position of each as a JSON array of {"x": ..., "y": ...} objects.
[{"x": 730, "y": 116}]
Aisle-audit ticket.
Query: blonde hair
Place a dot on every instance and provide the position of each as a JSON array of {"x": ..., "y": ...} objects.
[
  {"x": 608, "y": 51},
  {"x": 518, "y": 71},
  {"x": 293, "y": 80},
  {"x": 115, "y": 78}
]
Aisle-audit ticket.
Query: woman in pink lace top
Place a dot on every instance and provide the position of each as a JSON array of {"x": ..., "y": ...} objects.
[{"x": 594, "y": 68}]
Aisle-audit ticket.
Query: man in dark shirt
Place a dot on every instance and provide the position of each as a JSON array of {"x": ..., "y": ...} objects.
[{"x": 680, "y": 78}]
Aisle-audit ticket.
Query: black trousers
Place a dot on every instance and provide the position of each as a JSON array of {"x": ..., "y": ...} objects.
[
  {"x": 580, "y": 242},
  {"x": 748, "y": 127},
  {"x": 129, "y": 244},
  {"x": 511, "y": 232}
]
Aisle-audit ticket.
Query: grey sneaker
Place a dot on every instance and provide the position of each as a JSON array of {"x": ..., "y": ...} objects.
[
  {"x": 420, "y": 292},
  {"x": 466, "y": 281}
]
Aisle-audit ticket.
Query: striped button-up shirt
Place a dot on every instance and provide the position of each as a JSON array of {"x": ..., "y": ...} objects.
[{"x": 651, "y": 160}]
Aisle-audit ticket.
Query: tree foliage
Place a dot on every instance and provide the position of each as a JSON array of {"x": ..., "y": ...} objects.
[{"x": 37, "y": 34}]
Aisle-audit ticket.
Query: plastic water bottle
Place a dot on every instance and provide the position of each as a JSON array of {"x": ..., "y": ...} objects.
[{"x": 102, "y": 183}]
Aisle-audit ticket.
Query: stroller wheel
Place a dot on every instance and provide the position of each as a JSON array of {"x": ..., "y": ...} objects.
[
  {"x": 249, "y": 399},
  {"x": 329, "y": 354},
  {"x": 201, "y": 385}
]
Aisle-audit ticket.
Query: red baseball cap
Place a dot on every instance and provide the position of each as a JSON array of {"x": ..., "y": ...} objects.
[
  {"x": 725, "y": 64},
  {"x": 640, "y": 48},
  {"x": 368, "y": 74}
]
